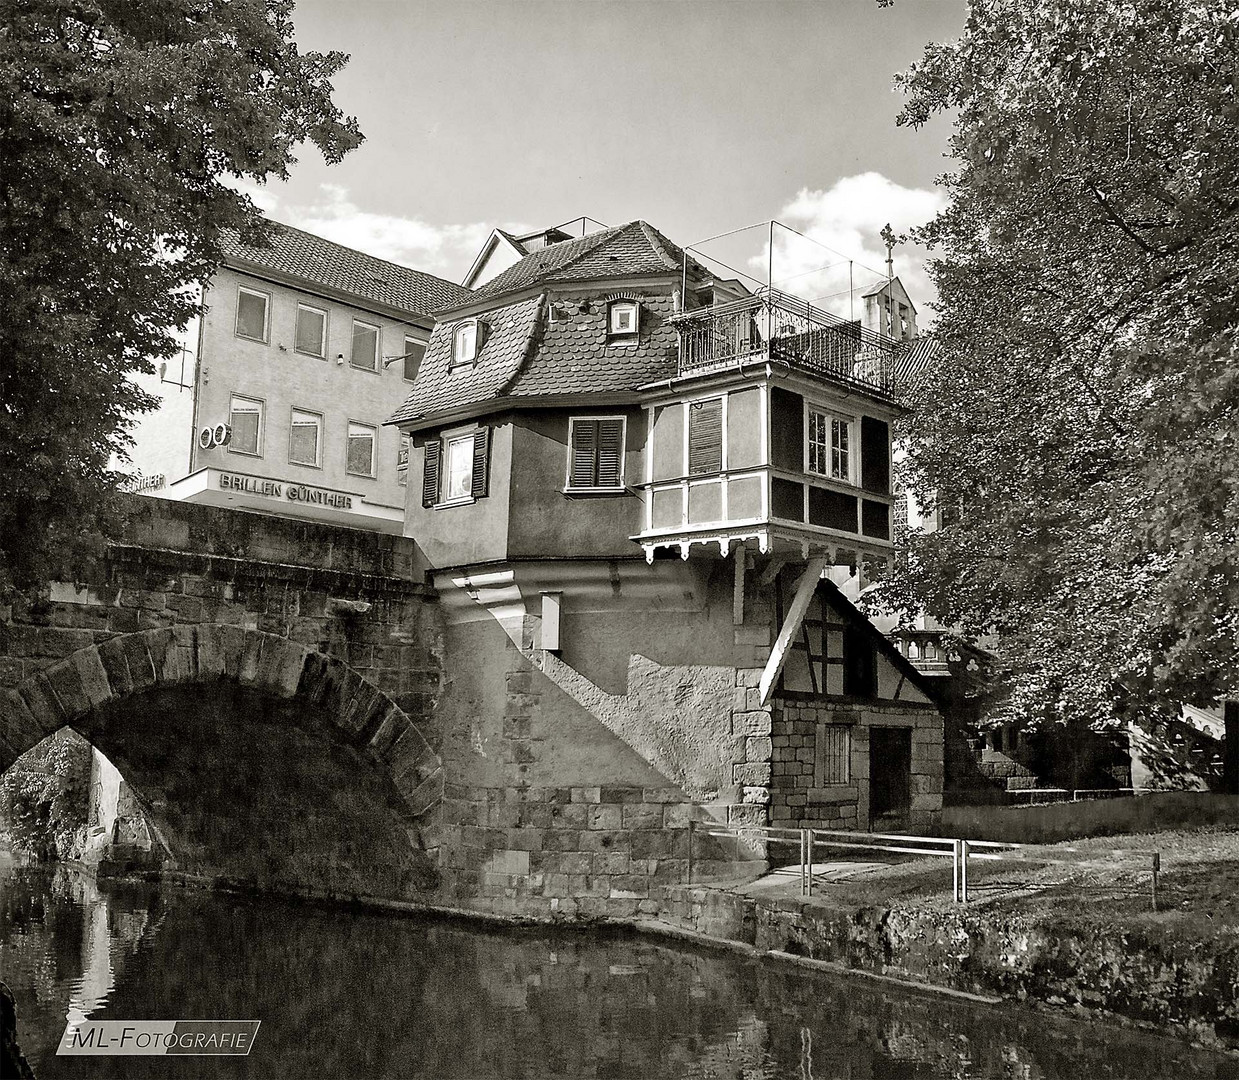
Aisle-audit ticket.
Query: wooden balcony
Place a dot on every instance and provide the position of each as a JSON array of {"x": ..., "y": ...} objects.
[{"x": 752, "y": 505}]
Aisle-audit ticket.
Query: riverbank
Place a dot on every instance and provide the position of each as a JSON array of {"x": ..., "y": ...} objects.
[
  {"x": 1081, "y": 933},
  {"x": 1078, "y": 935}
]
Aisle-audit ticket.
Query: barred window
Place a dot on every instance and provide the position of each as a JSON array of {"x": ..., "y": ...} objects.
[{"x": 834, "y": 754}]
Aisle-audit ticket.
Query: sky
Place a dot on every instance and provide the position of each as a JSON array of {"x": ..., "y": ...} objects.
[{"x": 699, "y": 116}]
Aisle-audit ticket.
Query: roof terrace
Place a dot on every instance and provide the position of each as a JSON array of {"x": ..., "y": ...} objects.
[{"x": 775, "y": 327}]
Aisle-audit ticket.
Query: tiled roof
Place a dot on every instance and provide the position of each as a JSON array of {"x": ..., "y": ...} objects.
[
  {"x": 913, "y": 358},
  {"x": 304, "y": 255},
  {"x": 511, "y": 333},
  {"x": 635, "y": 248},
  {"x": 573, "y": 356},
  {"x": 531, "y": 354}
]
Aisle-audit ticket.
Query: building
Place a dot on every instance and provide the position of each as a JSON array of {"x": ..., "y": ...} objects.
[
  {"x": 305, "y": 348},
  {"x": 628, "y": 480},
  {"x": 503, "y": 249}
]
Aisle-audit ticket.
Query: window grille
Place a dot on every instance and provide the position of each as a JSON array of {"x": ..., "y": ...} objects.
[{"x": 834, "y": 755}]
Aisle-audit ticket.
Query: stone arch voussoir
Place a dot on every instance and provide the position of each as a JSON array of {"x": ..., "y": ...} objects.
[{"x": 70, "y": 691}]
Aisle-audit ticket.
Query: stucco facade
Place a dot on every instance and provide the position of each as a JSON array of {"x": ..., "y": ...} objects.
[
  {"x": 630, "y": 496},
  {"x": 302, "y": 352}
]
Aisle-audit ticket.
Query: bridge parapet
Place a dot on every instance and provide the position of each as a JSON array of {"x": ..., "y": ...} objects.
[{"x": 343, "y": 594}]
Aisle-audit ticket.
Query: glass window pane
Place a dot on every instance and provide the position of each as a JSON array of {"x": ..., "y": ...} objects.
[
  {"x": 252, "y": 315},
  {"x": 402, "y": 460},
  {"x": 413, "y": 352},
  {"x": 303, "y": 442},
  {"x": 459, "y": 468},
  {"x": 361, "y": 449},
  {"x": 623, "y": 318},
  {"x": 365, "y": 346},
  {"x": 310, "y": 326},
  {"x": 839, "y": 449},
  {"x": 246, "y": 422},
  {"x": 464, "y": 343}
]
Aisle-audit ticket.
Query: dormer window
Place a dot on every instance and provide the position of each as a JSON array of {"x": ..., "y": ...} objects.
[
  {"x": 465, "y": 343},
  {"x": 623, "y": 319}
]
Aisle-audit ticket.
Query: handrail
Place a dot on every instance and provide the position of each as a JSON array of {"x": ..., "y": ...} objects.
[
  {"x": 959, "y": 851},
  {"x": 782, "y": 328}
]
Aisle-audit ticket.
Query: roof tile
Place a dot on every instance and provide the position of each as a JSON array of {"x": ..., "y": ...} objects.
[
  {"x": 313, "y": 258},
  {"x": 621, "y": 251},
  {"x": 511, "y": 331}
]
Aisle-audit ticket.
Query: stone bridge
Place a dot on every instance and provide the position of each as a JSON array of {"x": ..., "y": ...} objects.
[{"x": 262, "y": 684}]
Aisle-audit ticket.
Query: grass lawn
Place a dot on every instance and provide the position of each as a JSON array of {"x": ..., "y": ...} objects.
[{"x": 1100, "y": 880}]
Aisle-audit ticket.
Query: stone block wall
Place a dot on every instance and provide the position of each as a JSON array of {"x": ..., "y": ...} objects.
[
  {"x": 344, "y": 592},
  {"x": 799, "y": 798},
  {"x": 511, "y": 840}
]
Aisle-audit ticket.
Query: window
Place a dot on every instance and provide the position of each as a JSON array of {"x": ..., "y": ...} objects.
[
  {"x": 705, "y": 436},
  {"x": 465, "y": 343},
  {"x": 304, "y": 438},
  {"x": 252, "y": 314},
  {"x": 311, "y": 336},
  {"x": 829, "y": 446},
  {"x": 414, "y": 351},
  {"x": 457, "y": 471},
  {"x": 623, "y": 318},
  {"x": 834, "y": 754},
  {"x": 360, "y": 460},
  {"x": 596, "y": 453},
  {"x": 402, "y": 460},
  {"x": 245, "y": 417},
  {"x": 365, "y": 346}
]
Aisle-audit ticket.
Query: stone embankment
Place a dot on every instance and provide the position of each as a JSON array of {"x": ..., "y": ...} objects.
[{"x": 1184, "y": 987}]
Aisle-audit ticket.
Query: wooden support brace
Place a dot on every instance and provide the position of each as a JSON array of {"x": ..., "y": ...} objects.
[
  {"x": 772, "y": 570},
  {"x": 805, "y": 588}
]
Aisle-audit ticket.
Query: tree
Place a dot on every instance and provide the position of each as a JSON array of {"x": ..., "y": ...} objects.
[
  {"x": 119, "y": 120},
  {"x": 1081, "y": 423}
]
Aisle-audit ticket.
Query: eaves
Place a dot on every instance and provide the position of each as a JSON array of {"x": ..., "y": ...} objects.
[
  {"x": 476, "y": 409},
  {"x": 326, "y": 292}
]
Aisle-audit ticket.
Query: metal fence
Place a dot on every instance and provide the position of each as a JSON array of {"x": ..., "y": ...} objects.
[
  {"x": 786, "y": 329},
  {"x": 960, "y": 852}
]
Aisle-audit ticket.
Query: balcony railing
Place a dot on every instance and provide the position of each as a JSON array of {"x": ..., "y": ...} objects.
[{"x": 782, "y": 328}]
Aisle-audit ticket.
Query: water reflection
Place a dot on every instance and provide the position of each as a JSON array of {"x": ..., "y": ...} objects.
[{"x": 360, "y": 995}]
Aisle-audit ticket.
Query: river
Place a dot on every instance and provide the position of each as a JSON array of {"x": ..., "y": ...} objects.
[{"x": 351, "y": 994}]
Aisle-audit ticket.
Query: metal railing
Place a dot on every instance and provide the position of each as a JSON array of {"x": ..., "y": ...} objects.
[
  {"x": 1046, "y": 796},
  {"x": 959, "y": 851},
  {"x": 786, "y": 329}
]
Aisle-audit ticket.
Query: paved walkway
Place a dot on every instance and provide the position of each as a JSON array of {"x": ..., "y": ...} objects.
[{"x": 785, "y": 881}]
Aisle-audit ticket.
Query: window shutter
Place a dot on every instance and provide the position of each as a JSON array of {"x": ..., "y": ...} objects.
[
  {"x": 610, "y": 453},
  {"x": 705, "y": 437},
  {"x": 430, "y": 474},
  {"x": 481, "y": 460},
  {"x": 584, "y": 446}
]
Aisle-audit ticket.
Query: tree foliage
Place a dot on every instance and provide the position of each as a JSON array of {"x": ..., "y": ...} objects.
[
  {"x": 1080, "y": 427},
  {"x": 119, "y": 119}
]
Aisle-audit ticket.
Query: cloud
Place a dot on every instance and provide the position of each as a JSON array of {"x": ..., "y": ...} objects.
[
  {"x": 263, "y": 197},
  {"x": 848, "y": 219},
  {"x": 445, "y": 250}
]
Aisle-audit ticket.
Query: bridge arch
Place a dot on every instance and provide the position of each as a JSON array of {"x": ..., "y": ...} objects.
[{"x": 76, "y": 692}]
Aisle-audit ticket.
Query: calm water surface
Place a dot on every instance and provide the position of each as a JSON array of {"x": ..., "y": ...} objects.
[{"x": 343, "y": 994}]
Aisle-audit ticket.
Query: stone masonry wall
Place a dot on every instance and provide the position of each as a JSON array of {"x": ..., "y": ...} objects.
[
  {"x": 516, "y": 844},
  {"x": 344, "y": 592},
  {"x": 799, "y": 801}
]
